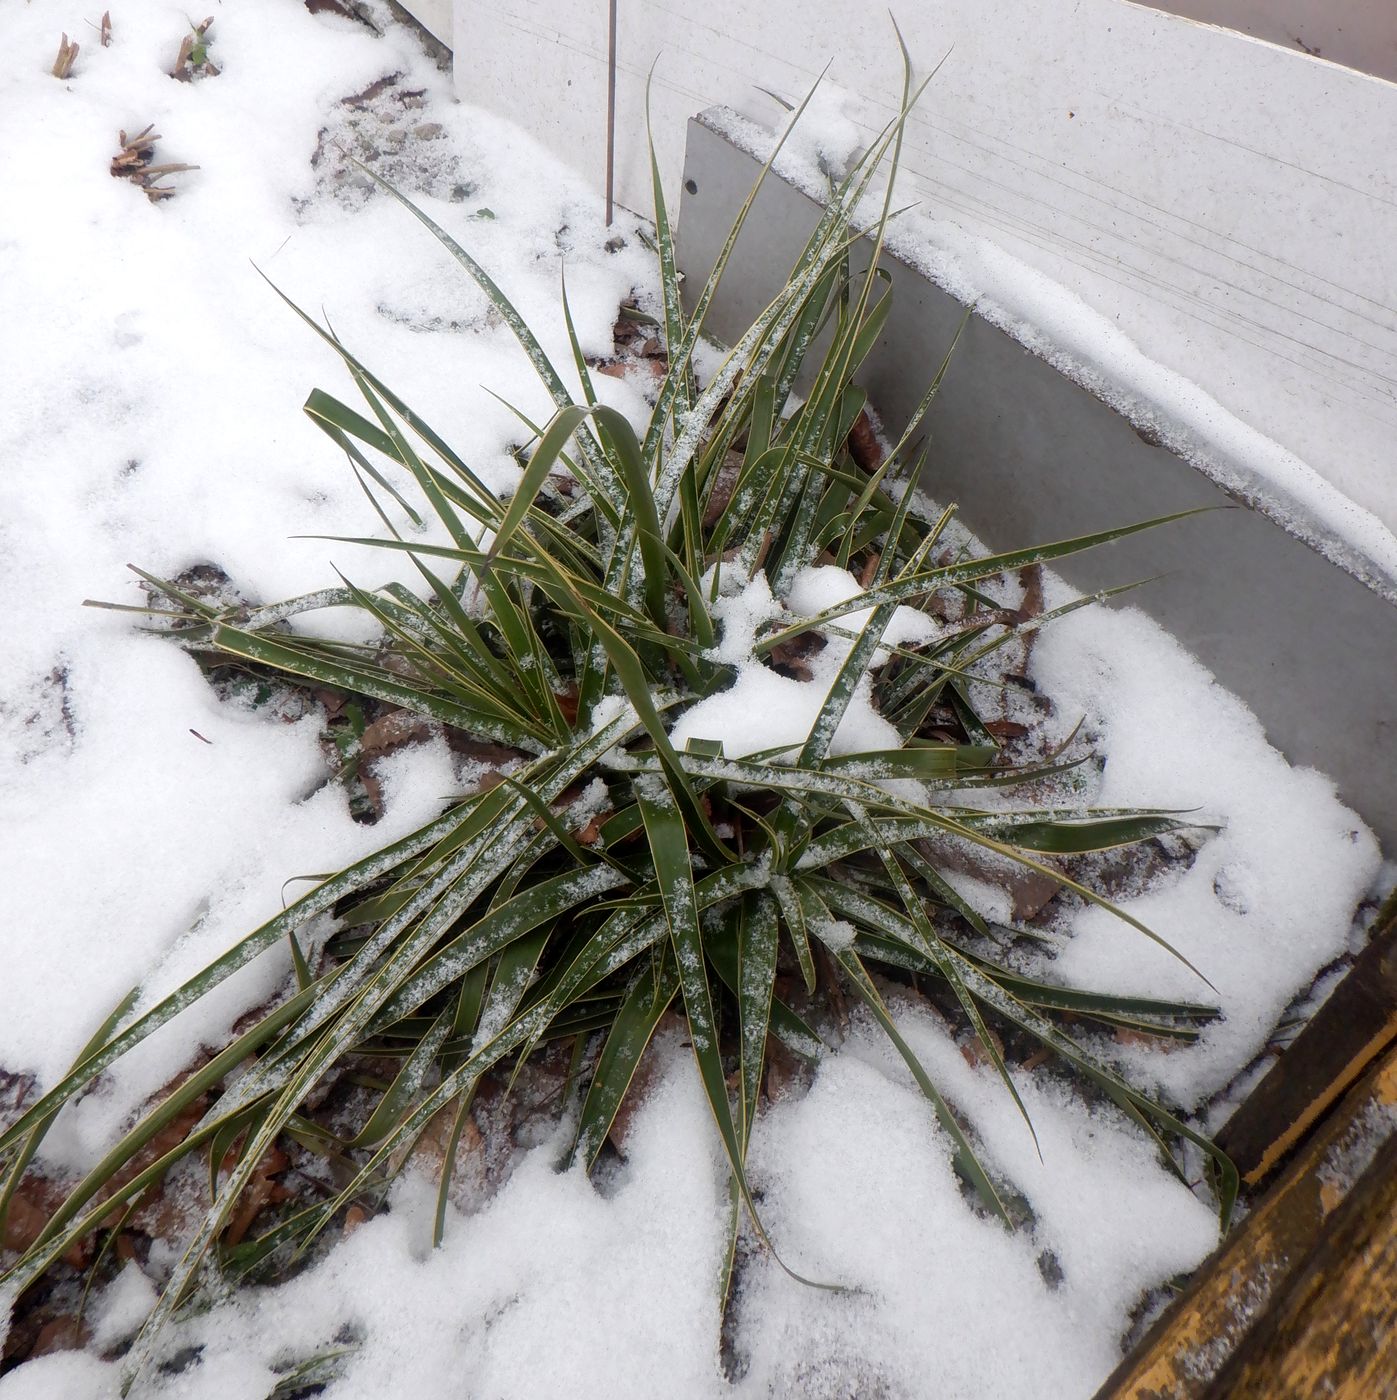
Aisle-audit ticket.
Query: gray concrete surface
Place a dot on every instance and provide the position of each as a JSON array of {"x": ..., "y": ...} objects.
[{"x": 1360, "y": 34}]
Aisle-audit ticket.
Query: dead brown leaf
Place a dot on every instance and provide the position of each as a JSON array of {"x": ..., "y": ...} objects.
[
  {"x": 864, "y": 446},
  {"x": 331, "y": 701},
  {"x": 834, "y": 992},
  {"x": 625, "y": 332},
  {"x": 64, "y": 1333},
  {"x": 393, "y": 731},
  {"x": 1029, "y": 891},
  {"x": 1128, "y": 1035},
  {"x": 724, "y": 484},
  {"x": 567, "y": 703},
  {"x": 786, "y": 1072},
  {"x": 1006, "y": 728},
  {"x": 354, "y": 1217},
  {"x": 468, "y": 1175},
  {"x": 1031, "y": 577},
  {"x": 31, "y": 1208},
  {"x": 976, "y": 1053},
  {"x": 344, "y": 11},
  {"x": 792, "y": 658},
  {"x": 619, "y": 369},
  {"x": 376, "y": 88},
  {"x": 262, "y": 1191}
]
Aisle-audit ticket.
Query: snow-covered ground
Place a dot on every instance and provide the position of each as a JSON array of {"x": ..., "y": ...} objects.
[{"x": 151, "y": 414}]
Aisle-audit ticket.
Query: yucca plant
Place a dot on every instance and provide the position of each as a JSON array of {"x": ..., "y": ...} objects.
[{"x": 612, "y": 872}]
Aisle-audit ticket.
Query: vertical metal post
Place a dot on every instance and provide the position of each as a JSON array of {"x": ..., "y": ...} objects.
[{"x": 610, "y": 111}]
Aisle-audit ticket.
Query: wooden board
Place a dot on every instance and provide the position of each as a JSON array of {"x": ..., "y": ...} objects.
[
  {"x": 1347, "y": 1034},
  {"x": 1231, "y": 1298},
  {"x": 1332, "y": 1331}
]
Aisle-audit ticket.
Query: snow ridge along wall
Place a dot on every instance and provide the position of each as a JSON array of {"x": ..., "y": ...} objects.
[{"x": 1031, "y": 454}]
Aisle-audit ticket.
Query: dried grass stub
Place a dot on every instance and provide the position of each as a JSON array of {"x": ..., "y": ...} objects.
[
  {"x": 67, "y": 56},
  {"x": 193, "y": 59},
  {"x": 135, "y": 161}
]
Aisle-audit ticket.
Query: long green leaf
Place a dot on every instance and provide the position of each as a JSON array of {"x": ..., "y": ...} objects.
[{"x": 632, "y": 1028}]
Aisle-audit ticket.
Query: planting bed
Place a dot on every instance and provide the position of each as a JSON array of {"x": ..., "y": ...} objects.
[{"x": 157, "y": 807}]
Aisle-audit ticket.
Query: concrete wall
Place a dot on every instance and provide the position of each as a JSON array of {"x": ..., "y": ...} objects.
[
  {"x": 437, "y": 17},
  {"x": 1228, "y": 204},
  {"x": 1360, "y": 34}
]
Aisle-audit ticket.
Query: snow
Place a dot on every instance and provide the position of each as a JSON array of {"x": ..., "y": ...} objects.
[
  {"x": 827, "y": 138},
  {"x": 764, "y": 710},
  {"x": 1265, "y": 902},
  {"x": 740, "y": 612},
  {"x": 836, "y": 934},
  {"x": 152, "y": 415},
  {"x": 553, "y": 1288},
  {"x": 850, "y": 1190},
  {"x": 123, "y": 1306},
  {"x": 991, "y": 902},
  {"x": 823, "y": 587}
]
